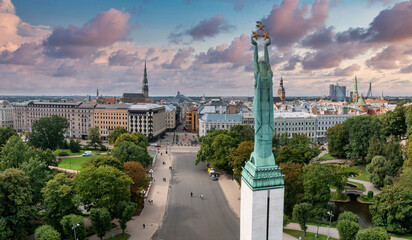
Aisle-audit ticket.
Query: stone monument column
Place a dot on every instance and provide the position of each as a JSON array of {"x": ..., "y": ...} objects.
[{"x": 262, "y": 193}]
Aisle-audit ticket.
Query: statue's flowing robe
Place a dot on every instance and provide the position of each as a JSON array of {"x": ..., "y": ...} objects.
[{"x": 263, "y": 112}]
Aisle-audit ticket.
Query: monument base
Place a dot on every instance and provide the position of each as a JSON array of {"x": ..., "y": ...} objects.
[{"x": 261, "y": 213}]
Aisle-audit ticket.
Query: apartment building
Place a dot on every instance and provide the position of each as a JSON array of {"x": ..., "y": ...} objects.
[
  {"x": 149, "y": 119},
  {"x": 6, "y": 114},
  {"x": 109, "y": 116},
  {"x": 218, "y": 121}
]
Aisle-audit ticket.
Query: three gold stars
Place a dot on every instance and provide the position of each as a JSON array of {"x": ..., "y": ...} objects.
[{"x": 256, "y": 34}]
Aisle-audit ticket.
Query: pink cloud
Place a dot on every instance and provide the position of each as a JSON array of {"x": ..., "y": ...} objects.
[
  {"x": 348, "y": 71},
  {"x": 179, "y": 59},
  {"x": 104, "y": 30},
  {"x": 26, "y": 54},
  {"x": 122, "y": 58}
]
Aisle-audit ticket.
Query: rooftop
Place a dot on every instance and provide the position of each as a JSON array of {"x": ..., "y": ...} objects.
[
  {"x": 145, "y": 107},
  {"x": 286, "y": 115},
  {"x": 222, "y": 118}
]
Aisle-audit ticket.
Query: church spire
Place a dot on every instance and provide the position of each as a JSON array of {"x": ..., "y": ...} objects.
[
  {"x": 97, "y": 93},
  {"x": 356, "y": 86},
  {"x": 145, "y": 87}
]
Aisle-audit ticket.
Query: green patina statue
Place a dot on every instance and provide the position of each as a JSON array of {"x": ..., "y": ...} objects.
[{"x": 261, "y": 171}]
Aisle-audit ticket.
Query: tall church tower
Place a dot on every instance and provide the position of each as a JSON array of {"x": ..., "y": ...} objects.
[
  {"x": 355, "y": 96},
  {"x": 145, "y": 87},
  {"x": 281, "y": 91}
]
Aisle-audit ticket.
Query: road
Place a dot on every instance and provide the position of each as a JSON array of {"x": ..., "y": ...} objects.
[{"x": 191, "y": 217}]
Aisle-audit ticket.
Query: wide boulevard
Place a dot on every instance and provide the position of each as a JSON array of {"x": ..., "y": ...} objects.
[{"x": 191, "y": 217}]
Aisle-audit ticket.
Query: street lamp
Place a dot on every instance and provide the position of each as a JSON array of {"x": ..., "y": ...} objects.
[
  {"x": 151, "y": 174},
  {"x": 74, "y": 229},
  {"x": 330, "y": 222}
]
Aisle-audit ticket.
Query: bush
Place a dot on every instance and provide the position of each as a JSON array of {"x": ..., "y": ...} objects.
[
  {"x": 388, "y": 180},
  {"x": 100, "y": 219},
  {"x": 286, "y": 220},
  {"x": 103, "y": 148},
  {"x": 74, "y": 145},
  {"x": 46, "y": 232},
  {"x": 347, "y": 229},
  {"x": 63, "y": 153},
  {"x": 71, "y": 220},
  {"x": 371, "y": 234},
  {"x": 65, "y": 144},
  {"x": 348, "y": 216},
  {"x": 370, "y": 194}
]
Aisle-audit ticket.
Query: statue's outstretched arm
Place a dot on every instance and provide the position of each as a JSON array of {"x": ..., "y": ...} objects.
[
  {"x": 256, "y": 57},
  {"x": 266, "y": 53}
]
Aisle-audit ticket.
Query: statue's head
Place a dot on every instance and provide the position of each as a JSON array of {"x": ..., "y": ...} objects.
[{"x": 264, "y": 69}]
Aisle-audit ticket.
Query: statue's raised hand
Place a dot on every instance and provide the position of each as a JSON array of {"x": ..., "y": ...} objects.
[
  {"x": 268, "y": 42},
  {"x": 253, "y": 41}
]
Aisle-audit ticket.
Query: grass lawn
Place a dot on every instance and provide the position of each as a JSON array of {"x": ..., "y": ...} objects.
[
  {"x": 327, "y": 156},
  {"x": 309, "y": 236},
  {"x": 119, "y": 237},
  {"x": 336, "y": 196},
  {"x": 366, "y": 199},
  {"x": 74, "y": 163},
  {"x": 74, "y": 154},
  {"x": 364, "y": 174},
  {"x": 360, "y": 185},
  {"x": 402, "y": 236}
]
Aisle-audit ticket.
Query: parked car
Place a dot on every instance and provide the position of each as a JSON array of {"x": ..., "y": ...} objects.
[
  {"x": 158, "y": 145},
  {"x": 87, "y": 153},
  {"x": 153, "y": 144}
]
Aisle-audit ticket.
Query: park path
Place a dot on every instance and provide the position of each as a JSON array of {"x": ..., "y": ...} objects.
[{"x": 368, "y": 185}]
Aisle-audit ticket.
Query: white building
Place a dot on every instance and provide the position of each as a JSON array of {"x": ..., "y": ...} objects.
[
  {"x": 171, "y": 117},
  {"x": 324, "y": 122},
  {"x": 218, "y": 121},
  {"x": 6, "y": 114},
  {"x": 295, "y": 123},
  {"x": 149, "y": 119}
]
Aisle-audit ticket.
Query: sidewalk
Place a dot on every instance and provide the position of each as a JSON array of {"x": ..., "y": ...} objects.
[
  {"x": 152, "y": 214},
  {"x": 368, "y": 185}
]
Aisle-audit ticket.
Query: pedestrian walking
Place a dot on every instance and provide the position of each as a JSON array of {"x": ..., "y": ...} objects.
[
  {"x": 144, "y": 226},
  {"x": 191, "y": 194},
  {"x": 201, "y": 196}
]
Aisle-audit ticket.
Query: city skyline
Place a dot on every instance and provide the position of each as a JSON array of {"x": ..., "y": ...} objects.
[{"x": 202, "y": 47}]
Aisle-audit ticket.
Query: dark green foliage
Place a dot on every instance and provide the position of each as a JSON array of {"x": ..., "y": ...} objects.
[
  {"x": 48, "y": 132},
  {"x": 293, "y": 185},
  {"x": 94, "y": 137},
  {"x": 240, "y": 156},
  {"x": 59, "y": 199},
  {"x": 337, "y": 140},
  {"x": 370, "y": 194},
  {"x": 5, "y": 134},
  {"x": 348, "y": 216},
  {"x": 378, "y": 169},
  {"x": 286, "y": 220},
  {"x": 100, "y": 219},
  {"x": 64, "y": 144},
  {"x": 371, "y": 234},
  {"x": 47, "y": 156},
  {"x": 113, "y": 135},
  {"x": 97, "y": 161},
  {"x": 297, "y": 150},
  {"x": 125, "y": 212},
  {"x": 393, "y": 209},
  {"x": 128, "y": 151},
  {"x": 137, "y": 138},
  {"x": 376, "y": 148},
  {"x": 38, "y": 173},
  {"x": 141, "y": 138},
  {"x": 242, "y": 133},
  {"x": 302, "y": 214},
  {"x": 408, "y": 120},
  {"x": 223, "y": 145},
  {"x": 103, "y": 148},
  {"x": 46, "y": 232},
  {"x": 347, "y": 229},
  {"x": 387, "y": 181},
  {"x": 16, "y": 208},
  {"x": 287, "y": 154},
  {"x": 393, "y": 122},
  {"x": 360, "y": 130},
  {"x": 14, "y": 153},
  {"x": 206, "y": 151},
  {"x": 316, "y": 179},
  {"x": 74, "y": 145},
  {"x": 394, "y": 155},
  {"x": 102, "y": 187},
  {"x": 67, "y": 224}
]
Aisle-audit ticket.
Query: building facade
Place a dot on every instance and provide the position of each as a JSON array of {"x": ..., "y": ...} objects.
[
  {"x": 6, "y": 114},
  {"x": 172, "y": 117},
  {"x": 108, "y": 117},
  {"x": 138, "y": 97},
  {"x": 192, "y": 119},
  {"x": 218, "y": 121},
  {"x": 281, "y": 91},
  {"x": 295, "y": 123},
  {"x": 149, "y": 119},
  {"x": 337, "y": 93},
  {"x": 324, "y": 122}
]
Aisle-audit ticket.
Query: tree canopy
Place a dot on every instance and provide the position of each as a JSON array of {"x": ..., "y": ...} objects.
[
  {"x": 240, "y": 156},
  {"x": 337, "y": 140},
  {"x": 46, "y": 232},
  {"x": 48, "y": 132},
  {"x": 94, "y": 137},
  {"x": 130, "y": 152},
  {"x": 379, "y": 168},
  {"x": 5, "y": 134},
  {"x": 113, "y": 135},
  {"x": 302, "y": 214},
  {"x": 137, "y": 138},
  {"x": 14, "y": 153},
  {"x": 97, "y": 161},
  {"x": 137, "y": 173},
  {"x": 100, "y": 218},
  {"x": 293, "y": 185}
]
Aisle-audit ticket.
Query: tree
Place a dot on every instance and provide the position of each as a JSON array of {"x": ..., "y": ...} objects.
[
  {"x": 94, "y": 137},
  {"x": 5, "y": 134},
  {"x": 378, "y": 169},
  {"x": 113, "y": 135},
  {"x": 46, "y": 232},
  {"x": 74, "y": 145},
  {"x": 371, "y": 234},
  {"x": 376, "y": 148},
  {"x": 206, "y": 151},
  {"x": 350, "y": 216},
  {"x": 14, "y": 153},
  {"x": 67, "y": 224},
  {"x": 408, "y": 120},
  {"x": 337, "y": 140},
  {"x": 287, "y": 154},
  {"x": 48, "y": 132},
  {"x": 128, "y": 151},
  {"x": 393, "y": 122},
  {"x": 137, "y": 138},
  {"x": 293, "y": 185},
  {"x": 347, "y": 229},
  {"x": 337, "y": 176},
  {"x": 223, "y": 144},
  {"x": 360, "y": 130},
  {"x": 240, "y": 156},
  {"x": 100, "y": 218},
  {"x": 59, "y": 199},
  {"x": 97, "y": 161},
  {"x": 302, "y": 214},
  {"x": 16, "y": 208},
  {"x": 125, "y": 212},
  {"x": 38, "y": 173},
  {"x": 302, "y": 143},
  {"x": 102, "y": 187},
  {"x": 138, "y": 175},
  {"x": 242, "y": 133},
  {"x": 393, "y": 209},
  {"x": 316, "y": 179},
  {"x": 47, "y": 156},
  {"x": 394, "y": 155}
]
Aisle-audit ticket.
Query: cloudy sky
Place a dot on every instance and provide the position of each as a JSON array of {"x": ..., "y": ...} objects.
[{"x": 50, "y": 47}]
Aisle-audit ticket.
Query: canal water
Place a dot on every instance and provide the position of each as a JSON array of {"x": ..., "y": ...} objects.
[{"x": 362, "y": 210}]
